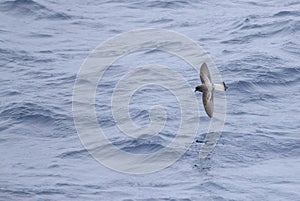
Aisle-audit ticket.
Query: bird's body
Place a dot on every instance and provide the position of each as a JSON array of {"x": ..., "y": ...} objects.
[{"x": 207, "y": 88}]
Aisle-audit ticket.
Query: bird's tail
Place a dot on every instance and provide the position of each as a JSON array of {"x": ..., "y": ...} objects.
[{"x": 221, "y": 87}]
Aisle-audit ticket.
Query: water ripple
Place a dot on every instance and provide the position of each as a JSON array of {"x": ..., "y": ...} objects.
[{"x": 30, "y": 8}]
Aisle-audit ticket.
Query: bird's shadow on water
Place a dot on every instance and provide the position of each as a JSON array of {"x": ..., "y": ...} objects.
[{"x": 203, "y": 165}]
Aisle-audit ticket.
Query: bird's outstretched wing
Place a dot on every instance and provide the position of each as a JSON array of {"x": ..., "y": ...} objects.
[
  {"x": 208, "y": 102},
  {"x": 205, "y": 75}
]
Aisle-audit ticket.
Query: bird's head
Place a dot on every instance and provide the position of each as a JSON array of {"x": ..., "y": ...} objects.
[{"x": 201, "y": 88}]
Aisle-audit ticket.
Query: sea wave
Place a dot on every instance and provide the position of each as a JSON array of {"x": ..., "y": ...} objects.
[
  {"x": 30, "y": 8},
  {"x": 35, "y": 114}
]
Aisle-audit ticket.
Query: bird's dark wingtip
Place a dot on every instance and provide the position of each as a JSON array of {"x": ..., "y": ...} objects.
[{"x": 225, "y": 87}]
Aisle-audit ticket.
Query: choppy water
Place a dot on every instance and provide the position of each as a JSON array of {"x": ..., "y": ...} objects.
[{"x": 254, "y": 44}]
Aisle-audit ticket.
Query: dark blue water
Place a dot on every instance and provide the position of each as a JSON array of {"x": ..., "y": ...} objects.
[{"x": 255, "y": 45}]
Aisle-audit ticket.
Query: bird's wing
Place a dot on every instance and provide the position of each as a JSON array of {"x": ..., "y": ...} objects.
[
  {"x": 205, "y": 75},
  {"x": 208, "y": 102}
]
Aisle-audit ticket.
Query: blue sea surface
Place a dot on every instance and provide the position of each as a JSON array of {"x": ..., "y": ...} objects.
[{"x": 254, "y": 43}]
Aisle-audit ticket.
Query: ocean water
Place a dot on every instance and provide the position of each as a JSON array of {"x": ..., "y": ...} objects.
[{"x": 255, "y": 46}]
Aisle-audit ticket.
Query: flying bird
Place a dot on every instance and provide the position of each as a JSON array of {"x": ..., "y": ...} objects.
[{"x": 207, "y": 88}]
